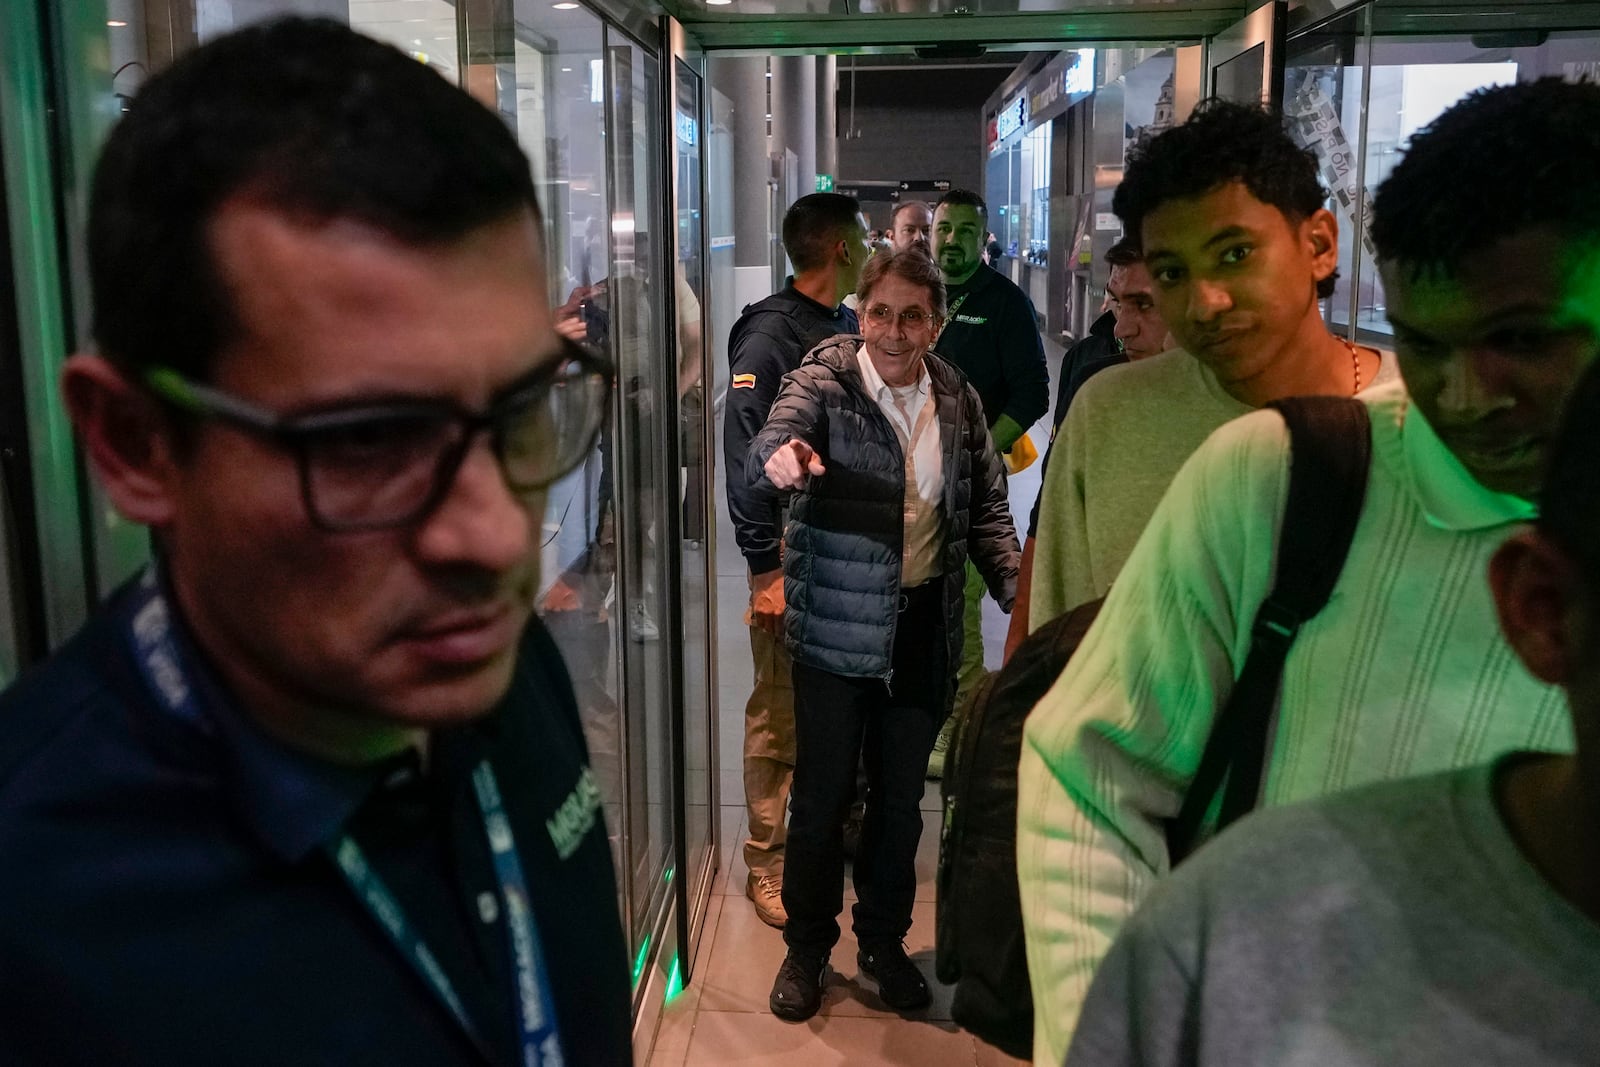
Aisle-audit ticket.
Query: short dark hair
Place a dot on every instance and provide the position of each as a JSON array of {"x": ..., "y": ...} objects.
[
  {"x": 1569, "y": 511},
  {"x": 894, "y": 216},
  {"x": 911, "y": 265},
  {"x": 814, "y": 224},
  {"x": 306, "y": 116},
  {"x": 1125, "y": 253},
  {"x": 1500, "y": 161},
  {"x": 964, "y": 198},
  {"x": 1222, "y": 142}
]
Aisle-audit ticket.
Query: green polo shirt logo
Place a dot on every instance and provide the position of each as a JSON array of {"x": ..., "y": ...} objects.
[{"x": 576, "y": 816}]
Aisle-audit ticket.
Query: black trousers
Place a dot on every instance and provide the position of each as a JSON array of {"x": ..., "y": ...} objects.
[{"x": 842, "y": 721}]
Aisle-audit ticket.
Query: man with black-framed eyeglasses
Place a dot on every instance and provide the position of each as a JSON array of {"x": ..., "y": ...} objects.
[
  {"x": 381, "y": 465},
  {"x": 313, "y": 788}
]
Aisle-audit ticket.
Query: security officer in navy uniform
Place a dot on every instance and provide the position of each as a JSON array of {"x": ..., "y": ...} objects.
[
  {"x": 825, "y": 237},
  {"x": 312, "y": 789}
]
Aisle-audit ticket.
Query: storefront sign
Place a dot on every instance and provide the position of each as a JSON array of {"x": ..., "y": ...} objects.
[
  {"x": 1012, "y": 119},
  {"x": 1064, "y": 81}
]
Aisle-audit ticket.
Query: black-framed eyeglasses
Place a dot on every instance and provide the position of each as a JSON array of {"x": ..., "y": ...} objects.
[
  {"x": 387, "y": 465},
  {"x": 910, "y": 318}
]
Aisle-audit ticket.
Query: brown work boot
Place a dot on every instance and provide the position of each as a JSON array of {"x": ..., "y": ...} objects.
[{"x": 766, "y": 893}]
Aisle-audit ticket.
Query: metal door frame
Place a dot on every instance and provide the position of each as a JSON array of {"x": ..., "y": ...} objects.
[
  {"x": 694, "y": 887},
  {"x": 1265, "y": 27}
]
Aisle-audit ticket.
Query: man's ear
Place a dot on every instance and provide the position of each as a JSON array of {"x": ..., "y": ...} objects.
[
  {"x": 124, "y": 436},
  {"x": 1534, "y": 585},
  {"x": 1320, "y": 231}
]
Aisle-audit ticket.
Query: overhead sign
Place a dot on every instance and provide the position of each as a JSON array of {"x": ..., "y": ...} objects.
[
  {"x": 1078, "y": 78},
  {"x": 1011, "y": 119},
  {"x": 932, "y": 185},
  {"x": 1065, "y": 80},
  {"x": 824, "y": 183}
]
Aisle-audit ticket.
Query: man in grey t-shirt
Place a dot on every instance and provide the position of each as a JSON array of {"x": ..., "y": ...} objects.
[{"x": 1450, "y": 920}]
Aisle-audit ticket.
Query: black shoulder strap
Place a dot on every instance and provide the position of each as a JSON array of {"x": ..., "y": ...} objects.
[{"x": 1331, "y": 451}]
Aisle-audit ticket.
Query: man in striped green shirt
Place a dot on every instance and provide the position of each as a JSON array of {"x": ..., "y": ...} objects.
[
  {"x": 1404, "y": 672},
  {"x": 1451, "y": 920}
]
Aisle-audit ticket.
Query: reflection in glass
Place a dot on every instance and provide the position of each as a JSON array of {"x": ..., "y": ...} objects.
[
  {"x": 1243, "y": 77},
  {"x": 1337, "y": 73},
  {"x": 555, "y": 117},
  {"x": 646, "y": 488},
  {"x": 689, "y": 285},
  {"x": 1322, "y": 106}
]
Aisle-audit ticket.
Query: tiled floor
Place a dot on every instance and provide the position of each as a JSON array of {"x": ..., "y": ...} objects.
[{"x": 722, "y": 1017}]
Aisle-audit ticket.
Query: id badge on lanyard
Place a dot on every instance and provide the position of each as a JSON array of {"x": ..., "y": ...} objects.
[
  {"x": 540, "y": 1040},
  {"x": 149, "y": 632}
]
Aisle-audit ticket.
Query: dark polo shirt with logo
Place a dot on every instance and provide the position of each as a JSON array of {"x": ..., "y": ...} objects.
[
  {"x": 993, "y": 337},
  {"x": 165, "y": 896}
]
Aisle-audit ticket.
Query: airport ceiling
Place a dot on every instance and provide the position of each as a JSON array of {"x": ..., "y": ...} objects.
[{"x": 868, "y": 26}]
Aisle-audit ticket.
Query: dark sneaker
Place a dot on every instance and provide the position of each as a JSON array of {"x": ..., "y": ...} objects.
[
  {"x": 900, "y": 984},
  {"x": 797, "y": 992}
]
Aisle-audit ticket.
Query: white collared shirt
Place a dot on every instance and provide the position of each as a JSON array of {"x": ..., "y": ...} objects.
[{"x": 912, "y": 411}]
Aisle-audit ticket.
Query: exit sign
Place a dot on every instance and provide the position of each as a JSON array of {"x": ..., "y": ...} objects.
[{"x": 824, "y": 183}]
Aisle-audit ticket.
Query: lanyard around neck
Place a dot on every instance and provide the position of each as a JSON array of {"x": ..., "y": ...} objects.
[
  {"x": 149, "y": 631},
  {"x": 540, "y": 1039}
]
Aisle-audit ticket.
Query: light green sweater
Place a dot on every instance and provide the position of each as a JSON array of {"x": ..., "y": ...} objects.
[{"x": 1128, "y": 431}]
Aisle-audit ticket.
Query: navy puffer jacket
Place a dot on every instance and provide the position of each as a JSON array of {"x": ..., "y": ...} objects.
[{"x": 843, "y": 544}]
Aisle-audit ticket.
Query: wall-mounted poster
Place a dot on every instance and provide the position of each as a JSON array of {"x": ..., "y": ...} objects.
[{"x": 1147, "y": 99}]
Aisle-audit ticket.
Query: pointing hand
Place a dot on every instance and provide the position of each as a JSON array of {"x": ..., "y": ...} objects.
[{"x": 791, "y": 463}]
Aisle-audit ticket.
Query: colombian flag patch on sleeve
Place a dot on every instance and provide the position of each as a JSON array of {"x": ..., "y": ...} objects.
[{"x": 744, "y": 381}]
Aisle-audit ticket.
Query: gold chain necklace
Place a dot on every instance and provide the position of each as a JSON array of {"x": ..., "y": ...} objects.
[{"x": 1355, "y": 363}]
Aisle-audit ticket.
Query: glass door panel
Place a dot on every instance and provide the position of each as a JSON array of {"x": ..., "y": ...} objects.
[
  {"x": 1353, "y": 96},
  {"x": 694, "y": 472},
  {"x": 559, "y": 103},
  {"x": 647, "y": 494},
  {"x": 1414, "y": 79},
  {"x": 1324, "y": 97}
]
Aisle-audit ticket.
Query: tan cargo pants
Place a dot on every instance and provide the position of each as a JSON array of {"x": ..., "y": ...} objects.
[{"x": 768, "y": 753}]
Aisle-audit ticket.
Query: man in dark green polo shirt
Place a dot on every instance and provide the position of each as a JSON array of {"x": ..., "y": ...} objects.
[{"x": 992, "y": 334}]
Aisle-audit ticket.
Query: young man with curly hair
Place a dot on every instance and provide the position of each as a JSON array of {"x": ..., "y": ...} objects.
[
  {"x": 1230, "y": 215},
  {"x": 1450, "y": 919},
  {"x": 1403, "y": 672}
]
